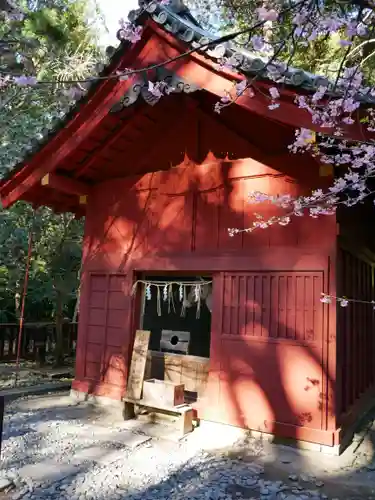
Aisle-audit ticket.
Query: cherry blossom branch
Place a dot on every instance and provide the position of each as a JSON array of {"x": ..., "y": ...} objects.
[
  {"x": 344, "y": 301},
  {"x": 133, "y": 34},
  {"x": 319, "y": 203},
  {"x": 331, "y": 106},
  {"x": 245, "y": 86}
]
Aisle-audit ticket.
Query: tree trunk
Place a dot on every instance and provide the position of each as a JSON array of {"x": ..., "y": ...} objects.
[
  {"x": 41, "y": 355},
  {"x": 59, "y": 347}
]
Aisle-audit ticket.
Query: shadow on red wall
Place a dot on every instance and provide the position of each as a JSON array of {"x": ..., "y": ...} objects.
[{"x": 256, "y": 382}]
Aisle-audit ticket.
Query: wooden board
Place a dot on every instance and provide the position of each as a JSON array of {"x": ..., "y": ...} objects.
[
  {"x": 180, "y": 409},
  {"x": 192, "y": 370},
  {"x": 183, "y": 340},
  {"x": 138, "y": 364}
]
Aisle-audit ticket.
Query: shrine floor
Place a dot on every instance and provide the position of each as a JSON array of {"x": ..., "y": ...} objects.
[{"x": 54, "y": 448}]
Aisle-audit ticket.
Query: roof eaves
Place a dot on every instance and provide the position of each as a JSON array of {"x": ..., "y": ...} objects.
[{"x": 177, "y": 20}]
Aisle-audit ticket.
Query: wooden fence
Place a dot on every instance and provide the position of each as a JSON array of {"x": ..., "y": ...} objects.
[{"x": 34, "y": 337}]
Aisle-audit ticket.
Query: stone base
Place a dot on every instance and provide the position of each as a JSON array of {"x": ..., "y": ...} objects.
[
  {"x": 80, "y": 397},
  {"x": 118, "y": 405},
  {"x": 297, "y": 443},
  {"x": 233, "y": 434}
]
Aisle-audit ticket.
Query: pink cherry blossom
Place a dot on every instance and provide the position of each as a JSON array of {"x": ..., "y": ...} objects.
[
  {"x": 348, "y": 120},
  {"x": 273, "y": 106},
  {"x": 218, "y": 107},
  {"x": 24, "y": 81},
  {"x": 159, "y": 89},
  {"x": 225, "y": 99},
  {"x": 129, "y": 32},
  {"x": 300, "y": 18},
  {"x": 361, "y": 29},
  {"x": 274, "y": 93},
  {"x": 5, "y": 81},
  {"x": 258, "y": 43},
  {"x": 267, "y": 14},
  {"x": 345, "y": 43},
  {"x": 226, "y": 63},
  {"x": 155, "y": 89},
  {"x": 241, "y": 87},
  {"x": 318, "y": 95}
]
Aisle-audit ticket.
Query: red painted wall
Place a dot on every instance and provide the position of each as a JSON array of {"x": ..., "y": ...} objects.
[{"x": 272, "y": 341}]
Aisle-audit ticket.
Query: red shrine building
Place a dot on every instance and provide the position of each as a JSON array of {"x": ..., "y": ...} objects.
[{"x": 159, "y": 182}]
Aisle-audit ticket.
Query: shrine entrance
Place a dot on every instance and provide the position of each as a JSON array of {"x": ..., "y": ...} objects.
[{"x": 177, "y": 312}]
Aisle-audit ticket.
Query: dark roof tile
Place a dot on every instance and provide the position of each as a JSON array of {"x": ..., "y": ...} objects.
[{"x": 178, "y": 20}]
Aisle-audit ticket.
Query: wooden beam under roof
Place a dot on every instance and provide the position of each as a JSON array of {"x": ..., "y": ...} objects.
[
  {"x": 120, "y": 131},
  {"x": 65, "y": 184},
  {"x": 87, "y": 165},
  {"x": 72, "y": 135}
]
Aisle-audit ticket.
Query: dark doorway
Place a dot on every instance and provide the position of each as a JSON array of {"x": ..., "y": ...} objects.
[{"x": 184, "y": 330}]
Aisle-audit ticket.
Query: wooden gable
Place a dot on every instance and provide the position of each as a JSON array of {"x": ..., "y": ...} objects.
[{"x": 119, "y": 131}]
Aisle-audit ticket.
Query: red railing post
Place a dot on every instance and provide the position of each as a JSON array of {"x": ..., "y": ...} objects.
[{"x": 22, "y": 315}]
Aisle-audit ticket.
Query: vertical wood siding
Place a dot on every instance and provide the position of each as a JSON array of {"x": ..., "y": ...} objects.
[
  {"x": 107, "y": 312},
  {"x": 273, "y": 305},
  {"x": 356, "y": 329},
  {"x": 270, "y": 350}
]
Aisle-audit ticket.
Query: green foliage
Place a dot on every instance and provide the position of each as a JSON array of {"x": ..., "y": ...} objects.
[
  {"x": 54, "y": 42},
  {"x": 54, "y": 265}
]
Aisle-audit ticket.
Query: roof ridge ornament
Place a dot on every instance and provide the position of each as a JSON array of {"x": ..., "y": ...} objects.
[
  {"x": 173, "y": 11},
  {"x": 143, "y": 86},
  {"x": 176, "y": 6}
]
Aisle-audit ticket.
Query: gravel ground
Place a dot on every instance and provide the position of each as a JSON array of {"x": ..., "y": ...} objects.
[
  {"x": 64, "y": 439},
  {"x": 28, "y": 375}
]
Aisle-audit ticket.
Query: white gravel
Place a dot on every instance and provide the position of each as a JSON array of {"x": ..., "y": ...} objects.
[{"x": 55, "y": 439}]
